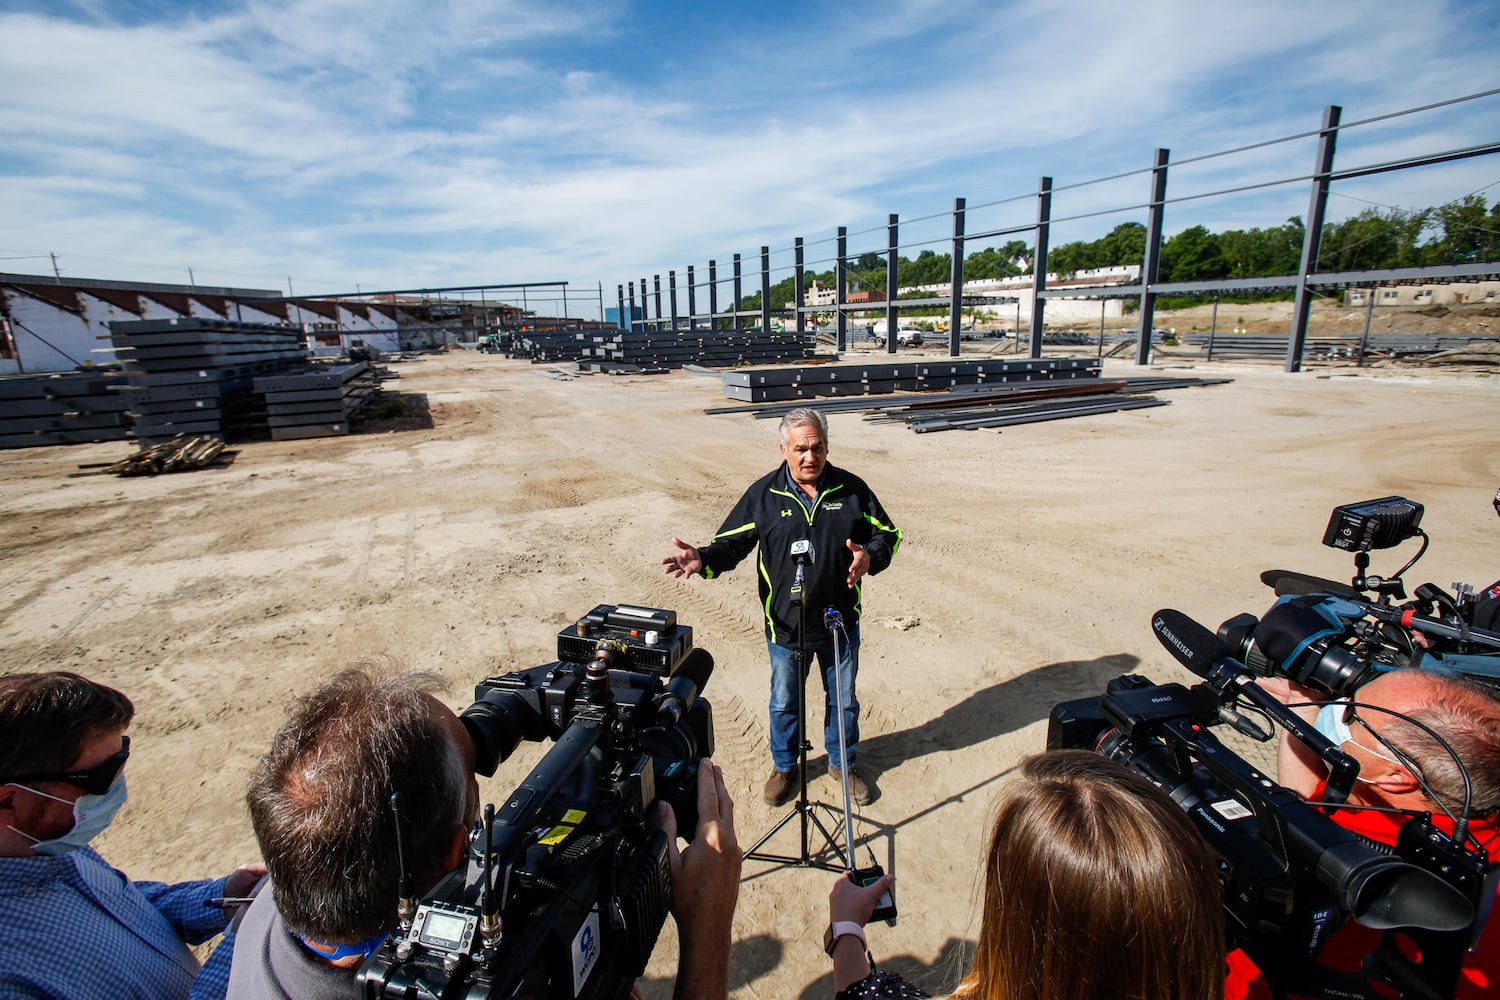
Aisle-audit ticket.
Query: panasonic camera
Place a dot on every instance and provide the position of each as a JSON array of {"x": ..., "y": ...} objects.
[
  {"x": 1290, "y": 875},
  {"x": 566, "y": 885}
]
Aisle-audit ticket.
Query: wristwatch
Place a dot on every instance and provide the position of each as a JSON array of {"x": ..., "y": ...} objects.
[{"x": 842, "y": 928}]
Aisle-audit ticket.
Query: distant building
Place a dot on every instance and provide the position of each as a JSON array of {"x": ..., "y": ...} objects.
[{"x": 50, "y": 325}]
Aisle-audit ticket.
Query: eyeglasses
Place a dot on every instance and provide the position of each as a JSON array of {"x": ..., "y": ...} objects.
[
  {"x": 96, "y": 780},
  {"x": 1400, "y": 759}
]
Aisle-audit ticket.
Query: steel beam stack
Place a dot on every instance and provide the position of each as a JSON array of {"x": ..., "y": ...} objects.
[
  {"x": 612, "y": 350},
  {"x": 762, "y": 385},
  {"x": 66, "y": 408},
  {"x": 193, "y": 376},
  {"x": 318, "y": 403}
]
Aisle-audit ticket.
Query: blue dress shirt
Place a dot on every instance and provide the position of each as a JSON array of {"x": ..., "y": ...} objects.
[{"x": 74, "y": 928}]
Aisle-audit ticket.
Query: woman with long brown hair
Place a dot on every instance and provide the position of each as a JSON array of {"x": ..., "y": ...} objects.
[{"x": 1097, "y": 887}]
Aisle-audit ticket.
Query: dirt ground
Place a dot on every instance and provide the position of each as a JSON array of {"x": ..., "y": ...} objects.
[{"x": 1032, "y": 562}]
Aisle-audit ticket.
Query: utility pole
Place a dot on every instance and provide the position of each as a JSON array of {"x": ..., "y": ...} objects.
[
  {"x": 192, "y": 282},
  {"x": 55, "y": 272}
]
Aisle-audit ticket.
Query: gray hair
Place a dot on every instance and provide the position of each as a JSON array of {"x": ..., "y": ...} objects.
[
  {"x": 803, "y": 416},
  {"x": 1467, "y": 715},
  {"x": 320, "y": 800}
]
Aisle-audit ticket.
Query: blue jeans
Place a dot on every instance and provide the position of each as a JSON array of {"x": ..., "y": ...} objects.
[{"x": 785, "y": 738}]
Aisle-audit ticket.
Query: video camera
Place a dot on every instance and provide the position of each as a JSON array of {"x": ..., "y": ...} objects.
[
  {"x": 1290, "y": 875},
  {"x": 566, "y": 887},
  {"x": 1333, "y": 637}
]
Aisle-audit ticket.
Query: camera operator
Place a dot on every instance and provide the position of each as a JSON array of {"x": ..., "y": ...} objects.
[
  {"x": 74, "y": 926},
  {"x": 1096, "y": 886},
  {"x": 319, "y": 803},
  {"x": 1403, "y": 769}
]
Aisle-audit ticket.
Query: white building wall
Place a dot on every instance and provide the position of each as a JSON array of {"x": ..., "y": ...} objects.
[{"x": 51, "y": 338}]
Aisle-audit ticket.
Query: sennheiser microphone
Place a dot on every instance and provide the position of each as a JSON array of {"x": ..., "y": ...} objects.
[
  {"x": 1198, "y": 649},
  {"x": 690, "y": 678}
]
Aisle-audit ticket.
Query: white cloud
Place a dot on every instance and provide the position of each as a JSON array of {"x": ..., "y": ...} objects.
[{"x": 400, "y": 143}]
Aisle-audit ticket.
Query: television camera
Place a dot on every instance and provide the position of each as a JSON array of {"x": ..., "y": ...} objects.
[
  {"x": 1291, "y": 875},
  {"x": 565, "y": 888},
  {"x": 1334, "y": 637}
]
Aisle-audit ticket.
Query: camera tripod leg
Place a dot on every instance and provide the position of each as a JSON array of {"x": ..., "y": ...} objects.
[{"x": 802, "y": 808}]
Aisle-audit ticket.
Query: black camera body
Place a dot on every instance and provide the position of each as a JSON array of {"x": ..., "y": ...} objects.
[
  {"x": 1290, "y": 875},
  {"x": 1337, "y": 637},
  {"x": 566, "y": 885}
]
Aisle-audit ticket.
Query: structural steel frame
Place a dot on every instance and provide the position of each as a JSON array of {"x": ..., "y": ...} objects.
[{"x": 1304, "y": 283}]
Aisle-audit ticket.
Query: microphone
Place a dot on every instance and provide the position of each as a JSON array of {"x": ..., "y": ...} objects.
[
  {"x": 803, "y": 555},
  {"x": 1198, "y": 649},
  {"x": 690, "y": 678}
]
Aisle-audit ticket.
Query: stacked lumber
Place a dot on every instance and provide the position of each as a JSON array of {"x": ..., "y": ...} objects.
[{"x": 177, "y": 455}]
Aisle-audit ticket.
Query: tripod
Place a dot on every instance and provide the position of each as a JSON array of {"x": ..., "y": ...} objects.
[{"x": 802, "y": 809}]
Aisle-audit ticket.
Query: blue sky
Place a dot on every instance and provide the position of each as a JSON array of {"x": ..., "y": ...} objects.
[{"x": 359, "y": 143}]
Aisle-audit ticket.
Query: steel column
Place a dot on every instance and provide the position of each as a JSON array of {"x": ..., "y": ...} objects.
[
  {"x": 890, "y": 283},
  {"x": 1152, "y": 263},
  {"x": 840, "y": 292},
  {"x": 620, "y": 291},
  {"x": 692, "y": 301},
  {"x": 737, "y": 295},
  {"x": 1312, "y": 238},
  {"x": 672, "y": 296},
  {"x": 713, "y": 294},
  {"x": 657, "y": 279},
  {"x": 798, "y": 297},
  {"x": 1364, "y": 337},
  {"x": 765, "y": 290},
  {"x": 1039, "y": 267},
  {"x": 956, "y": 282},
  {"x": 645, "y": 309},
  {"x": 631, "y": 303}
]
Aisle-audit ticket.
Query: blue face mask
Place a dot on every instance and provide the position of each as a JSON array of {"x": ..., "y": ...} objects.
[
  {"x": 91, "y": 814},
  {"x": 1331, "y": 722}
]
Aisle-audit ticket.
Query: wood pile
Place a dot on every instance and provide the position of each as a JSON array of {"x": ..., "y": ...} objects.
[{"x": 177, "y": 455}]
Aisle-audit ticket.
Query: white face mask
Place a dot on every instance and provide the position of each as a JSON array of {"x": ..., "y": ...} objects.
[{"x": 91, "y": 814}]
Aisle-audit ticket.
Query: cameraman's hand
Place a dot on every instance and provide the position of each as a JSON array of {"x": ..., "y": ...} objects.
[
  {"x": 684, "y": 562},
  {"x": 705, "y": 885},
  {"x": 244, "y": 879},
  {"x": 1288, "y": 691}
]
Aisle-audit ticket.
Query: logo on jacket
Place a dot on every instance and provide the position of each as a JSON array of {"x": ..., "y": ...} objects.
[{"x": 785, "y": 512}]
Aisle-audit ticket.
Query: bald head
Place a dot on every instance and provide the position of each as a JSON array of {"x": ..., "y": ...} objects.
[{"x": 1464, "y": 714}]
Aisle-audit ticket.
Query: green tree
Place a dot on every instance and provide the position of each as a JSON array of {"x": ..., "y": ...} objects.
[
  {"x": 1192, "y": 255},
  {"x": 1374, "y": 238},
  {"x": 1469, "y": 233}
]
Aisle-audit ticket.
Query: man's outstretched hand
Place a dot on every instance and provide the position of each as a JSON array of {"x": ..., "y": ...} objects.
[{"x": 684, "y": 562}]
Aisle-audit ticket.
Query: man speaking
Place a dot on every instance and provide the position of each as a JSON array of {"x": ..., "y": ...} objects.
[{"x": 820, "y": 530}]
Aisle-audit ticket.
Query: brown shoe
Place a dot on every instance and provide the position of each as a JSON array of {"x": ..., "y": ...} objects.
[
  {"x": 860, "y": 790},
  {"x": 780, "y": 787}
]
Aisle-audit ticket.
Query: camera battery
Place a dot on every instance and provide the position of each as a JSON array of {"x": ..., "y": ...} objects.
[{"x": 653, "y": 641}]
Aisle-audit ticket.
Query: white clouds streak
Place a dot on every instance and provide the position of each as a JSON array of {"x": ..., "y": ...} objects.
[{"x": 399, "y": 143}]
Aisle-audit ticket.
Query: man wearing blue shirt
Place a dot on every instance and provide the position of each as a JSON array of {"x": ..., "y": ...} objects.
[{"x": 74, "y": 926}]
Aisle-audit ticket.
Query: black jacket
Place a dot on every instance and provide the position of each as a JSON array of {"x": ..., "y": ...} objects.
[{"x": 771, "y": 515}]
